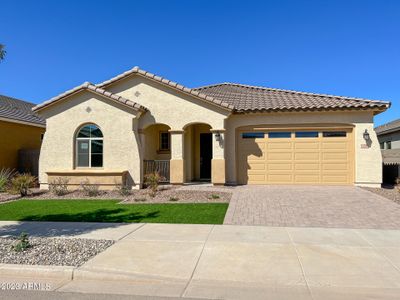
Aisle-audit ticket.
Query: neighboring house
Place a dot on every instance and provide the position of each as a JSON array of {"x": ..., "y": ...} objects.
[
  {"x": 135, "y": 123},
  {"x": 21, "y": 132},
  {"x": 389, "y": 139}
]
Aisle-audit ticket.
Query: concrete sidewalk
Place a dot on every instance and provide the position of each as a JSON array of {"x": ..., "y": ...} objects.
[{"x": 243, "y": 262}]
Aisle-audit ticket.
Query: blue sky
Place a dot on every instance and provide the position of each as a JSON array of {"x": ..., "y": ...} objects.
[{"x": 347, "y": 48}]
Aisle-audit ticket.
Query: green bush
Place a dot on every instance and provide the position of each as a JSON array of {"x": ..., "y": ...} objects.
[
  {"x": 214, "y": 196},
  {"x": 152, "y": 181},
  {"x": 173, "y": 199},
  {"x": 5, "y": 176},
  {"x": 22, "y": 184},
  {"x": 59, "y": 186},
  {"x": 22, "y": 244}
]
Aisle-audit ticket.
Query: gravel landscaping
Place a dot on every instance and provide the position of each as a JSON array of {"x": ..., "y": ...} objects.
[
  {"x": 5, "y": 197},
  {"x": 166, "y": 194},
  {"x": 52, "y": 251},
  {"x": 389, "y": 192}
]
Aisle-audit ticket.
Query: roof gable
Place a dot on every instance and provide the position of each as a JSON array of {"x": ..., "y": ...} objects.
[
  {"x": 168, "y": 83},
  {"x": 96, "y": 90}
]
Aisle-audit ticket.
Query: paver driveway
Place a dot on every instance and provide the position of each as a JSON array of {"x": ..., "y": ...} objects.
[{"x": 312, "y": 206}]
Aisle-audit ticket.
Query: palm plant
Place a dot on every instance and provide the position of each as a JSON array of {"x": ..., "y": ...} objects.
[{"x": 3, "y": 52}]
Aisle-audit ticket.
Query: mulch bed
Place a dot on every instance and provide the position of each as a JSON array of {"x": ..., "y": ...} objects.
[
  {"x": 52, "y": 251},
  {"x": 389, "y": 192}
]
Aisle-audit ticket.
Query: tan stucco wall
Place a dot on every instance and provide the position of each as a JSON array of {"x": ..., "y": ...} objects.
[
  {"x": 168, "y": 106},
  {"x": 368, "y": 161},
  {"x": 120, "y": 152},
  {"x": 13, "y": 137},
  {"x": 152, "y": 143}
]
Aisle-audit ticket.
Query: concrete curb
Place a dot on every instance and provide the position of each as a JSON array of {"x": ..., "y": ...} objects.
[{"x": 37, "y": 271}]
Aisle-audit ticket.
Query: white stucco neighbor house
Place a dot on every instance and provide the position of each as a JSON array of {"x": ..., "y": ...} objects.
[{"x": 136, "y": 123}]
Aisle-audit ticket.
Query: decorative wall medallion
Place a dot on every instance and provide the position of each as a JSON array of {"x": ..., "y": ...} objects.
[
  {"x": 88, "y": 109},
  {"x": 137, "y": 94}
]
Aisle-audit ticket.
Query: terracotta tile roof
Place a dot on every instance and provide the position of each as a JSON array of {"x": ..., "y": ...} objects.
[
  {"x": 388, "y": 127},
  {"x": 172, "y": 84},
  {"x": 391, "y": 157},
  {"x": 246, "y": 98},
  {"x": 91, "y": 87},
  {"x": 18, "y": 110}
]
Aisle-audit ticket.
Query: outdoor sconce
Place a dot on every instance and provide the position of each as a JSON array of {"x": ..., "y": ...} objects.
[
  {"x": 217, "y": 136},
  {"x": 366, "y": 135}
]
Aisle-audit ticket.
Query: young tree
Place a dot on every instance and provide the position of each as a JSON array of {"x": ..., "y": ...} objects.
[{"x": 2, "y": 52}]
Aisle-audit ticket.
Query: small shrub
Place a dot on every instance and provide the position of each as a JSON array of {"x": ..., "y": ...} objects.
[
  {"x": 152, "y": 181},
  {"x": 123, "y": 189},
  {"x": 173, "y": 199},
  {"x": 214, "y": 196},
  {"x": 59, "y": 186},
  {"x": 91, "y": 190},
  {"x": 5, "y": 175},
  {"x": 22, "y": 244},
  {"x": 22, "y": 184}
]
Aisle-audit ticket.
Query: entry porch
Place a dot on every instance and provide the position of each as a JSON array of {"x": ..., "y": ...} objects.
[{"x": 194, "y": 153}]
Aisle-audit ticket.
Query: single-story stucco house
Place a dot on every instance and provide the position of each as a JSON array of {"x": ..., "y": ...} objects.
[
  {"x": 137, "y": 122},
  {"x": 21, "y": 133}
]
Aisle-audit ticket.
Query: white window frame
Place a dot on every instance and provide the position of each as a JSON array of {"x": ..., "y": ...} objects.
[{"x": 89, "y": 139}]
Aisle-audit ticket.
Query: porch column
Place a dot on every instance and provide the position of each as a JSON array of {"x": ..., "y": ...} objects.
[
  {"x": 142, "y": 149},
  {"x": 176, "y": 166},
  {"x": 218, "y": 160}
]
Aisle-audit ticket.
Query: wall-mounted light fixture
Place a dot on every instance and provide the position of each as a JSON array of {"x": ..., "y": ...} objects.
[
  {"x": 366, "y": 135},
  {"x": 218, "y": 136}
]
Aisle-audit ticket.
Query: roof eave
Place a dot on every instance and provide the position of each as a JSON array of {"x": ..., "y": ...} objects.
[{"x": 89, "y": 88}]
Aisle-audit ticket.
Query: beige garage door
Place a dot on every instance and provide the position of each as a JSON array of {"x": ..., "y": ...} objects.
[{"x": 295, "y": 156}]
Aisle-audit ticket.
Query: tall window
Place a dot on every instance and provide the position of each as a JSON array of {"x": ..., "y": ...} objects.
[
  {"x": 164, "y": 141},
  {"x": 89, "y": 147}
]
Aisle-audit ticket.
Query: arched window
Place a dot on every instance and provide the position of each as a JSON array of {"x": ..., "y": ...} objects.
[{"x": 89, "y": 147}]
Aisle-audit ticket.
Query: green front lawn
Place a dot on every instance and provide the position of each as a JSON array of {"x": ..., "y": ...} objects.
[{"x": 111, "y": 211}]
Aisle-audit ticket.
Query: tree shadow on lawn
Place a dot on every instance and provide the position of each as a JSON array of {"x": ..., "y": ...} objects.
[
  {"x": 56, "y": 225},
  {"x": 118, "y": 215}
]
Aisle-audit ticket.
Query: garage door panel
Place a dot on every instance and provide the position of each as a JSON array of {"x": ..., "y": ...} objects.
[
  {"x": 280, "y": 178},
  {"x": 279, "y": 166},
  {"x": 335, "y": 166},
  {"x": 306, "y": 178},
  {"x": 279, "y": 156},
  {"x": 279, "y": 146},
  {"x": 334, "y": 145},
  {"x": 314, "y": 156},
  {"x": 335, "y": 156},
  {"x": 337, "y": 179},
  {"x": 257, "y": 166},
  {"x": 304, "y": 166},
  {"x": 257, "y": 178},
  {"x": 305, "y": 145},
  {"x": 322, "y": 160}
]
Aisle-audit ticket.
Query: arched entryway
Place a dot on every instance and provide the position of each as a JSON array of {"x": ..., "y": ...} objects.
[
  {"x": 157, "y": 150},
  {"x": 198, "y": 147}
]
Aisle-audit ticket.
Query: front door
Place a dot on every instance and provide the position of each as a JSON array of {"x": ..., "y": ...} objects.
[{"x": 205, "y": 155}]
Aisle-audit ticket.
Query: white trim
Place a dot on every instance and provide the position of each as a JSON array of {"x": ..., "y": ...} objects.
[{"x": 21, "y": 122}]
